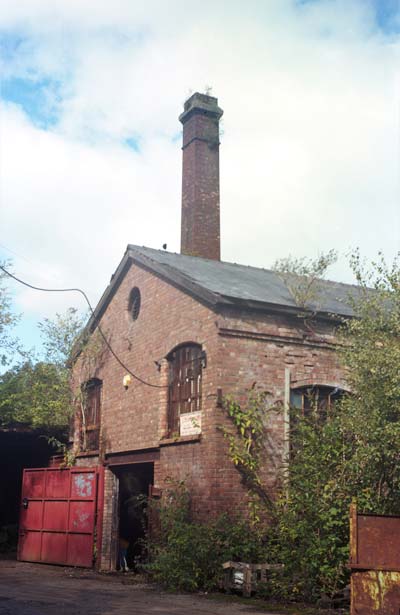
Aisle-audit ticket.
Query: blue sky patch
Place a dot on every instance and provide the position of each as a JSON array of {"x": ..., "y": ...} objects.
[
  {"x": 133, "y": 143},
  {"x": 177, "y": 137},
  {"x": 387, "y": 13},
  {"x": 39, "y": 99},
  {"x": 10, "y": 45}
]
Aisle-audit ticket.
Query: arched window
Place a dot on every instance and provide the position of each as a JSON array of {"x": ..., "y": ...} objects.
[
  {"x": 315, "y": 398},
  {"x": 185, "y": 376},
  {"x": 90, "y": 415}
]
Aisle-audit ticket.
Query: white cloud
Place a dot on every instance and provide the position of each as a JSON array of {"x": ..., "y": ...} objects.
[{"x": 309, "y": 155}]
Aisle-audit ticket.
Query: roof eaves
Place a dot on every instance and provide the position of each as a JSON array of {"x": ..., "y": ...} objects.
[{"x": 279, "y": 308}]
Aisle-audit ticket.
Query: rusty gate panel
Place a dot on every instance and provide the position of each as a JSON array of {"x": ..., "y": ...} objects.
[
  {"x": 375, "y": 591},
  {"x": 375, "y": 564},
  {"x": 60, "y": 517}
]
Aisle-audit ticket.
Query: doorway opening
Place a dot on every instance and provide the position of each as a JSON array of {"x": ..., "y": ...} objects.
[{"x": 134, "y": 484}]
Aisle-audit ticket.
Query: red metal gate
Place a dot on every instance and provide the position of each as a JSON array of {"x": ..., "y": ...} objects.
[{"x": 60, "y": 515}]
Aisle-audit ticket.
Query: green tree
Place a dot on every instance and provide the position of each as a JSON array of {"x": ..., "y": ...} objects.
[
  {"x": 8, "y": 344},
  {"x": 35, "y": 395},
  {"x": 36, "y": 392},
  {"x": 60, "y": 335}
]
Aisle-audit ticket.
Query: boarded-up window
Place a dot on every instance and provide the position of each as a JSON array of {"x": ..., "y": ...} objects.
[
  {"x": 185, "y": 375},
  {"x": 315, "y": 399},
  {"x": 90, "y": 421}
]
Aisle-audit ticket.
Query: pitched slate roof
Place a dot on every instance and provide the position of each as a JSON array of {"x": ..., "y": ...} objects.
[{"x": 218, "y": 283}]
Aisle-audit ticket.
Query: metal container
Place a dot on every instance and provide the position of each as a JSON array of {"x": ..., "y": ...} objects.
[{"x": 374, "y": 563}]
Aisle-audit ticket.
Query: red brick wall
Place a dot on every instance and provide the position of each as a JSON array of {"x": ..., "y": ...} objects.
[
  {"x": 135, "y": 419},
  {"x": 241, "y": 349},
  {"x": 256, "y": 350}
]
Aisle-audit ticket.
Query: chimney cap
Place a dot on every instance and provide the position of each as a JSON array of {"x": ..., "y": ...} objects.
[{"x": 200, "y": 103}]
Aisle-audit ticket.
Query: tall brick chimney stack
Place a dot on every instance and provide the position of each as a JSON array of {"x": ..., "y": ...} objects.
[{"x": 200, "y": 223}]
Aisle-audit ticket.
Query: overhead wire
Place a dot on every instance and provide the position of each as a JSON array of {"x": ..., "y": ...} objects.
[{"x": 82, "y": 292}]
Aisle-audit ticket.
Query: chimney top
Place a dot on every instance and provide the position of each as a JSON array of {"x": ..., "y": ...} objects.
[{"x": 200, "y": 103}]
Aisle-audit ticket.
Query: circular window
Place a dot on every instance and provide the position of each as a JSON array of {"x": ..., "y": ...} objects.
[{"x": 134, "y": 303}]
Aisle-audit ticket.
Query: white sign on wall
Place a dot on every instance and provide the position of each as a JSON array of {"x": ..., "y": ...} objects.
[{"x": 190, "y": 424}]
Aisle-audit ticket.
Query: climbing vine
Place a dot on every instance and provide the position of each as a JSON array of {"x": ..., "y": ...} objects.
[{"x": 247, "y": 438}]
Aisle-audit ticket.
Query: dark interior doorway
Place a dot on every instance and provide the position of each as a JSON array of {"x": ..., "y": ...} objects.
[
  {"x": 18, "y": 450},
  {"x": 134, "y": 481}
]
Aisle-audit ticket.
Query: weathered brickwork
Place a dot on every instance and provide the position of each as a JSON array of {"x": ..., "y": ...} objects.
[
  {"x": 256, "y": 350},
  {"x": 242, "y": 348},
  {"x": 200, "y": 224},
  {"x": 135, "y": 419}
]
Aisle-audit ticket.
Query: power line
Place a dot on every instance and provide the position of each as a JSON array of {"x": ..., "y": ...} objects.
[{"x": 78, "y": 290}]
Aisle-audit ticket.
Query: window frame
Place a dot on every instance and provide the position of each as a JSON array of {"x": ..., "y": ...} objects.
[
  {"x": 90, "y": 423},
  {"x": 330, "y": 394},
  {"x": 134, "y": 303},
  {"x": 185, "y": 377}
]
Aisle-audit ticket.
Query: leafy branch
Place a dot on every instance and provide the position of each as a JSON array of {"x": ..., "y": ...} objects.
[
  {"x": 302, "y": 277},
  {"x": 246, "y": 437}
]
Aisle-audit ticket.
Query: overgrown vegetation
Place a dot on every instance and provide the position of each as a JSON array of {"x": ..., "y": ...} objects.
[
  {"x": 303, "y": 277},
  {"x": 188, "y": 556},
  {"x": 353, "y": 452},
  {"x": 248, "y": 448}
]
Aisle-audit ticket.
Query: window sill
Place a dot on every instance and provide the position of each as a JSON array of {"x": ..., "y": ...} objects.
[
  {"x": 88, "y": 454},
  {"x": 180, "y": 440}
]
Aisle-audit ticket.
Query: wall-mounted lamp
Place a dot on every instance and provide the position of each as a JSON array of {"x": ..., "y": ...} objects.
[{"x": 126, "y": 381}]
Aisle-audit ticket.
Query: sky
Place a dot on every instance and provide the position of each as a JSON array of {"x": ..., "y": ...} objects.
[{"x": 90, "y": 142}]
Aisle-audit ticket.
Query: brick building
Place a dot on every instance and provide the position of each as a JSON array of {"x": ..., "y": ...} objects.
[{"x": 193, "y": 329}]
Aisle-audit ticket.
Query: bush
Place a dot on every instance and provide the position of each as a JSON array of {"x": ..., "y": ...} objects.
[{"x": 188, "y": 556}]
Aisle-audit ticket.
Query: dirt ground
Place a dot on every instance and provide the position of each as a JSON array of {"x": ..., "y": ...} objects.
[{"x": 38, "y": 589}]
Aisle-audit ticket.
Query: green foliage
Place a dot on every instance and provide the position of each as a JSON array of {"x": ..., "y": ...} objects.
[
  {"x": 64, "y": 449},
  {"x": 371, "y": 415},
  {"x": 354, "y": 453},
  {"x": 310, "y": 532},
  {"x": 247, "y": 445},
  {"x": 187, "y": 555},
  {"x": 61, "y": 334},
  {"x": 8, "y": 345},
  {"x": 37, "y": 393},
  {"x": 302, "y": 277}
]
